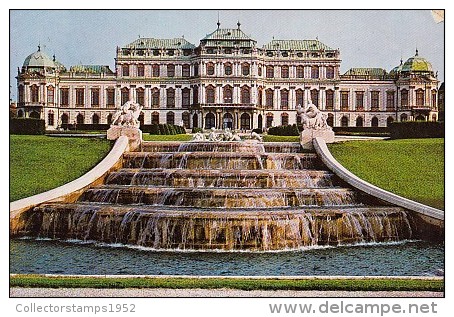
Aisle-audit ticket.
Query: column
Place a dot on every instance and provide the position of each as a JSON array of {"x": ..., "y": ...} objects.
[{"x": 336, "y": 98}]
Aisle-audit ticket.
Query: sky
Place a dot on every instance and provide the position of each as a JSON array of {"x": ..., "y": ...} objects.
[{"x": 366, "y": 38}]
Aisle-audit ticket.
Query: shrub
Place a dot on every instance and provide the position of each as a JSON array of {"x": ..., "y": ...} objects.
[
  {"x": 163, "y": 129},
  {"x": 259, "y": 131},
  {"x": 284, "y": 130},
  {"x": 417, "y": 129},
  {"x": 195, "y": 130},
  {"x": 28, "y": 126}
]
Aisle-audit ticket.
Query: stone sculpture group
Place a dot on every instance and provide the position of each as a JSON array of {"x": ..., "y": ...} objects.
[
  {"x": 127, "y": 115},
  {"x": 312, "y": 117}
]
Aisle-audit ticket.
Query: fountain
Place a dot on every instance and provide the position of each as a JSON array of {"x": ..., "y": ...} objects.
[{"x": 221, "y": 195}]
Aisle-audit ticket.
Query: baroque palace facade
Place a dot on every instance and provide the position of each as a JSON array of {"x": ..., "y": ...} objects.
[{"x": 226, "y": 81}]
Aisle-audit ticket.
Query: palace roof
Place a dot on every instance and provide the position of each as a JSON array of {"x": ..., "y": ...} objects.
[
  {"x": 227, "y": 37},
  {"x": 38, "y": 59},
  {"x": 366, "y": 72},
  {"x": 296, "y": 45},
  {"x": 417, "y": 64},
  {"x": 92, "y": 69},
  {"x": 176, "y": 43}
]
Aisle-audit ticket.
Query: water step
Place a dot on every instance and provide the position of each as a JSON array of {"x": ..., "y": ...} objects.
[
  {"x": 222, "y": 178},
  {"x": 220, "y": 197}
]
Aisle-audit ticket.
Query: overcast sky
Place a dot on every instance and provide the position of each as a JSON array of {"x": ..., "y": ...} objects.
[{"x": 365, "y": 38}]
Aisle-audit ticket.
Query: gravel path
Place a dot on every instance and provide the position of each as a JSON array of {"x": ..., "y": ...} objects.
[{"x": 160, "y": 292}]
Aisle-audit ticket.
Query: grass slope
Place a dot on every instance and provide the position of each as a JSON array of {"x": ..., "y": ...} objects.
[
  {"x": 375, "y": 284},
  {"x": 412, "y": 168},
  {"x": 40, "y": 163},
  {"x": 176, "y": 137}
]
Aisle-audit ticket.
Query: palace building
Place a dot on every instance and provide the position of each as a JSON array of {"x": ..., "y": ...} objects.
[{"x": 227, "y": 80}]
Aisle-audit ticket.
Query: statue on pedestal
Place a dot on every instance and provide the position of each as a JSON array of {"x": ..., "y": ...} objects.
[
  {"x": 312, "y": 117},
  {"x": 127, "y": 115}
]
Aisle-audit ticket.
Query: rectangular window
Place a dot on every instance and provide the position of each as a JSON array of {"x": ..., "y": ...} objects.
[
  {"x": 420, "y": 97},
  {"x": 269, "y": 72},
  {"x": 95, "y": 97},
  {"x": 155, "y": 98},
  {"x": 359, "y": 100},
  {"x": 284, "y": 72},
  {"x": 375, "y": 100},
  {"x": 140, "y": 70},
  {"x": 64, "y": 96},
  {"x": 390, "y": 100},
  {"x": 300, "y": 72},
  {"x": 344, "y": 100},
  {"x": 125, "y": 70},
  {"x": 34, "y": 92},
  {"x": 186, "y": 71},
  {"x": 171, "y": 70},
  {"x": 155, "y": 71},
  {"x": 110, "y": 97},
  {"x": 404, "y": 98},
  {"x": 284, "y": 100},
  {"x": 269, "y": 99},
  {"x": 186, "y": 97},
  {"x": 300, "y": 97},
  {"x": 140, "y": 97},
  {"x": 170, "y": 98},
  {"x": 329, "y": 100},
  {"x": 50, "y": 95},
  {"x": 80, "y": 96},
  {"x": 284, "y": 120}
]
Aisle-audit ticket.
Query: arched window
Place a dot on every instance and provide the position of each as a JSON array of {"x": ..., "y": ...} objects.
[
  {"x": 50, "y": 118},
  {"x": 374, "y": 122},
  {"x": 140, "y": 96},
  {"x": 329, "y": 99},
  {"x": 64, "y": 118},
  {"x": 195, "y": 95},
  {"x": 269, "y": 71},
  {"x": 330, "y": 120},
  {"x": 315, "y": 72},
  {"x": 314, "y": 97},
  {"x": 420, "y": 117},
  {"x": 260, "y": 96},
  {"x": 404, "y": 98},
  {"x": 300, "y": 97},
  {"x": 80, "y": 119},
  {"x": 403, "y": 117},
  {"x": 109, "y": 118},
  {"x": 196, "y": 70},
  {"x": 269, "y": 120},
  {"x": 359, "y": 122},
  {"x": 21, "y": 96},
  {"x": 284, "y": 99},
  {"x": 228, "y": 94},
  {"x": 170, "y": 98},
  {"x": 195, "y": 120},
  {"x": 344, "y": 121},
  {"x": 245, "y": 95},
  {"x": 95, "y": 119},
  {"x": 141, "y": 119},
  {"x": 20, "y": 113},
  {"x": 299, "y": 71},
  {"x": 186, "y": 97},
  {"x": 170, "y": 118},
  {"x": 210, "y": 69},
  {"x": 260, "y": 122},
  {"x": 35, "y": 115},
  {"x": 389, "y": 120},
  {"x": 284, "y": 119},
  {"x": 124, "y": 95},
  {"x": 259, "y": 71},
  {"x": 228, "y": 69},
  {"x": 185, "y": 118},
  {"x": 170, "y": 70},
  {"x": 34, "y": 93},
  {"x": 210, "y": 94},
  {"x": 228, "y": 121},
  {"x": 269, "y": 98},
  {"x": 434, "y": 99},
  {"x": 50, "y": 95},
  {"x": 245, "y": 121},
  {"x": 210, "y": 120},
  {"x": 420, "y": 97},
  {"x": 284, "y": 71},
  {"x": 155, "y": 98},
  {"x": 245, "y": 69},
  {"x": 155, "y": 117}
]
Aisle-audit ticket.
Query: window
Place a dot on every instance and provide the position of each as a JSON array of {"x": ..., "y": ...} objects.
[
  {"x": 140, "y": 70},
  {"x": 80, "y": 96},
  {"x": 196, "y": 70},
  {"x": 344, "y": 100},
  {"x": 95, "y": 119},
  {"x": 299, "y": 72},
  {"x": 269, "y": 98},
  {"x": 109, "y": 119},
  {"x": 359, "y": 121},
  {"x": 245, "y": 95},
  {"x": 284, "y": 119},
  {"x": 155, "y": 70},
  {"x": 186, "y": 97},
  {"x": 300, "y": 97},
  {"x": 140, "y": 96},
  {"x": 375, "y": 100},
  {"x": 170, "y": 70},
  {"x": 314, "y": 97},
  {"x": 269, "y": 120},
  {"x": 420, "y": 97},
  {"x": 186, "y": 70},
  {"x": 260, "y": 71},
  {"x": 390, "y": 100},
  {"x": 245, "y": 69},
  {"x": 124, "y": 95},
  {"x": 155, "y": 118},
  {"x": 374, "y": 122},
  {"x": 284, "y": 72},
  {"x": 80, "y": 119},
  {"x": 50, "y": 118},
  {"x": 95, "y": 97},
  {"x": 403, "y": 117},
  {"x": 50, "y": 95},
  {"x": 269, "y": 72},
  {"x": 64, "y": 118},
  {"x": 170, "y": 118},
  {"x": 434, "y": 99},
  {"x": 404, "y": 98},
  {"x": 64, "y": 96},
  {"x": 329, "y": 99},
  {"x": 330, "y": 120},
  {"x": 155, "y": 96},
  {"x": 210, "y": 69},
  {"x": 21, "y": 98},
  {"x": 210, "y": 94},
  {"x": 344, "y": 121},
  {"x": 245, "y": 121},
  {"x": 185, "y": 118},
  {"x": 389, "y": 121},
  {"x": 260, "y": 96},
  {"x": 314, "y": 72},
  {"x": 209, "y": 120},
  {"x": 195, "y": 95},
  {"x": 34, "y": 93},
  {"x": 228, "y": 69},
  {"x": 228, "y": 94},
  {"x": 125, "y": 70},
  {"x": 170, "y": 98},
  {"x": 110, "y": 97},
  {"x": 330, "y": 72},
  {"x": 359, "y": 100},
  {"x": 284, "y": 100}
]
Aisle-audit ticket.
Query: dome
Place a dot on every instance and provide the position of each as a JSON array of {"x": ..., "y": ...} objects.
[
  {"x": 397, "y": 69},
  {"x": 417, "y": 64},
  {"x": 38, "y": 59}
]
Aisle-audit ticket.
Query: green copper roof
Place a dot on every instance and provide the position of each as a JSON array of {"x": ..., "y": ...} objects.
[
  {"x": 373, "y": 72},
  {"x": 92, "y": 69},
  {"x": 153, "y": 43},
  {"x": 417, "y": 64},
  {"x": 228, "y": 37},
  {"x": 38, "y": 59},
  {"x": 297, "y": 45}
]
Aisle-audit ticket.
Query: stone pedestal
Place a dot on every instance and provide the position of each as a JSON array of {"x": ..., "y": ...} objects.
[
  {"x": 308, "y": 134},
  {"x": 133, "y": 134}
]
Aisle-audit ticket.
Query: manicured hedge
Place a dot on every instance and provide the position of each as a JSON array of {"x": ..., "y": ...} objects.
[
  {"x": 163, "y": 129},
  {"x": 28, "y": 126},
  {"x": 417, "y": 129},
  {"x": 284, "y": 130}
]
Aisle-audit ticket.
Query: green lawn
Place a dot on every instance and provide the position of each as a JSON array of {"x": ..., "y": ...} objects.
[
  {"x": 40, "y": 163},
  {"x": 176, "y": 137},
  {"x": 281, "y": 138},
  {"x": 394, "y": 284},
  {"x": 412, "y": 168}
]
